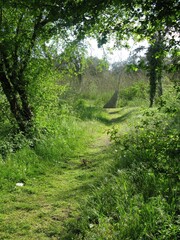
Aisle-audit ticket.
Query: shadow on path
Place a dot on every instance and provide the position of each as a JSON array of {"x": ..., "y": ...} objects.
[{"x": 118, "y": 119}]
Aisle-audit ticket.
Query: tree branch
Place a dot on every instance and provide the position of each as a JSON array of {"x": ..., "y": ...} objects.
[{"x": 37, "y": 28}]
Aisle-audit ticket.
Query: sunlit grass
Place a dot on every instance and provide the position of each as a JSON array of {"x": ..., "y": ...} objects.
[
  {"x": 53, "y": 186},
  {"x": 138, "y": 196},
  {"x": 86, "y": 193}
]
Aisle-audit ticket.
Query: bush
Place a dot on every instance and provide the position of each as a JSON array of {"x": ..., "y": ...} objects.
[
  {"x": 152, "y": 151},
  {"x": 13, "y": 141},
  {"x": 137, "y": 94}
]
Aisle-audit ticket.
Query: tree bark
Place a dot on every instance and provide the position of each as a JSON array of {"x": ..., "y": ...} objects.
[
  {"x": 13, "y": 64},
  {"x": 18, "y": 102},
  {"x": 155, "y": 66},
  {"x": 152, "y": 80}
]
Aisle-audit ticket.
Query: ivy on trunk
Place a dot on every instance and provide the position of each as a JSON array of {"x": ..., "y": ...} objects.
[{"x": 155, "y": 57}]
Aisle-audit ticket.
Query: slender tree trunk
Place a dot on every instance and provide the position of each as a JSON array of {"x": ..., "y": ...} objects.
[
  {"x": 112, "y": 103},
  {"x": 159, "y": 81},
  {"x": 152, "y": 80},
  {"x": 155, "y": 65},
  {"x": 80, "y": 80}
]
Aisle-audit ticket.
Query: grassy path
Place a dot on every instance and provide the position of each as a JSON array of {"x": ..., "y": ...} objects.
[{"x": 42, "y": 208}]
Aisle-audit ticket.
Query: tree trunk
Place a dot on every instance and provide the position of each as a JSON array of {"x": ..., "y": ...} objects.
[
  {"x": 80, "y": 80},
  {"x": 12, "y": 71},
  {"x": 155, "y": 57},
  {"x": 152, "y": 81},
  {"x": 18, "y": 102},
  {"x": 159, "y": 81}
]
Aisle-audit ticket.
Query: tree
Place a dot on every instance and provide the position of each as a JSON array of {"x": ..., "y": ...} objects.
[
  {"x": 153, "y": 62},
  {"x": 155, "y": 57},
  {"x": 157, "y": 21},
  {"x": 25, "y": 27},
  {"x": 140, "y": 18},
  {"x": 173, "y": 65},
  {"x": 72, "y": 61}
]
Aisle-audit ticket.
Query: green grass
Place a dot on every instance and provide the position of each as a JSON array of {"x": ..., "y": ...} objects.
[
  {"x": 138, "y": 197},
  {"x": 77, "y": 185},
  {"x": 53, "y": 188}
]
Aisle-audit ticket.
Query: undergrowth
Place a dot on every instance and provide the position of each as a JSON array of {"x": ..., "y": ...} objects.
[
  {"x": 59, "y": 139},
  {"x": 138, "y": 199},
  {"x": 134, "y": 95}
]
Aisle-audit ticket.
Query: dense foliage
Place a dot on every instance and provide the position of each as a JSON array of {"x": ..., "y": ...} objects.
[
  {"x": 142, "y": 19},
  {"x": 25, "y": 28}
]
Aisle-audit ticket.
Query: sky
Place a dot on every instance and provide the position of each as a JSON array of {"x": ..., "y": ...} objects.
[{"x": 113, "y": 55}]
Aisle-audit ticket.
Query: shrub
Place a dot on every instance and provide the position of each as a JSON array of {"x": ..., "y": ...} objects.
[
  {"x": 136, "y": 94},
  {"x": 13, "y": 141}
]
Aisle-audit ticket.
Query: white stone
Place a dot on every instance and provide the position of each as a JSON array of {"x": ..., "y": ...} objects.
[{"x": 19, "y": 184}]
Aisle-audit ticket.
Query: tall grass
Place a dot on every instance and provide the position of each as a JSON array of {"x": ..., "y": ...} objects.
[
  {"x": 63, "y": 140},
  {"x": 60, "y": 136},
  {"x": 138, "y": 199}
]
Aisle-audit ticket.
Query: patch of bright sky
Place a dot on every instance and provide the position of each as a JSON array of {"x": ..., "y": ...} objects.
[{"x": 108, "y": 50}]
